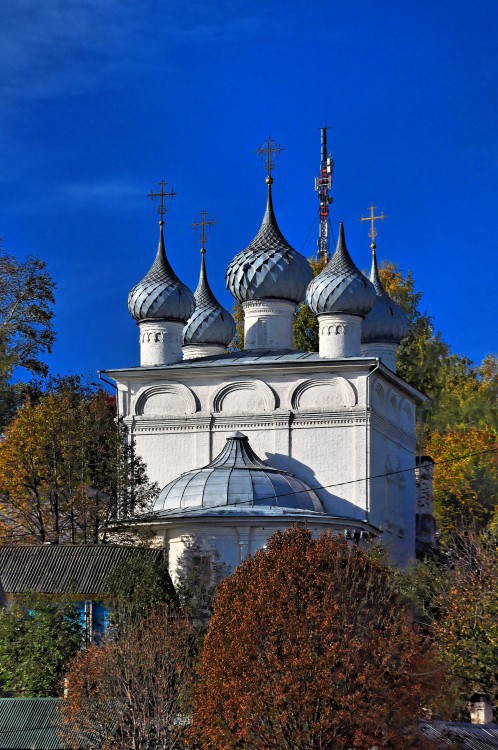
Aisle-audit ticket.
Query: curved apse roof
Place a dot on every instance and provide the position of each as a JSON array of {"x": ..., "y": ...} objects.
[{"x": 237, "y": 477}]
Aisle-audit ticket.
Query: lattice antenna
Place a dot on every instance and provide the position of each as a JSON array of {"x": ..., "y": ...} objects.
[
  {"x": 203, "y": 223},
  {"x": 268, "y": 151},
  {"x": 372, "y": 232},
  {"x": 323, "y": 186},
  {"x": 161, "y": 195}
]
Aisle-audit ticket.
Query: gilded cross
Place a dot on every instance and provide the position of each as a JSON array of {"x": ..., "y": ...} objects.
[
  {"x": 203, "y": 223},
  {"x": 267, "y": 150},
  {"x": 372, "y": 219},
  {"x": 162, "y": 195}
]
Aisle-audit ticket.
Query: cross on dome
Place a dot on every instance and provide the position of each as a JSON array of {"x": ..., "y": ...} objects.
[
  {"x": 161, "y": 195},
  {"x": 267, "y": 150}
]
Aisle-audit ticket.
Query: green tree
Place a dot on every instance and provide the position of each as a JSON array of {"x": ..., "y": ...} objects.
[
  {"x": 26, "y": 332},
  {"x": 38, "y": 637}
]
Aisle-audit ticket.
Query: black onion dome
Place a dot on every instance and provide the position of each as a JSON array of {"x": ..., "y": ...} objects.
[
  {"x": 341, "y": 287},
  {"x": 269, "y": 268},
  {"x": 210, "y": 323},
  {"x": 161, "y": 295},
  {"x": 237, "y": 477},
  {"x": 386, "y": 322}
]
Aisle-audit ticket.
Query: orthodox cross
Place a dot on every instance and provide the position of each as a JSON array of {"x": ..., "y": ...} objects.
[
  {"x": 162, "y": 195},
  {"x": 372, "y": 233},
  {"x": 267, "y": 150},
  {"x": 203, "y": 223}
]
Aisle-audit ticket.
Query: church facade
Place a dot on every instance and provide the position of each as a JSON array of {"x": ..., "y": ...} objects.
[{"x": 247, "y": 442}]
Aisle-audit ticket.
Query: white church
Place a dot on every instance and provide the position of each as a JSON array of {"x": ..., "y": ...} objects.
[{"x": 247, "y": 442}]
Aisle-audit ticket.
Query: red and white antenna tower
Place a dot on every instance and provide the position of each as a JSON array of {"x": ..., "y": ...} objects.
[{"x": 323, "y": 185}]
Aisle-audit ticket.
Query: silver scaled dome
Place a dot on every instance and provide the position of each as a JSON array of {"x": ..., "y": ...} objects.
[
  {"x": 341, "y": 287},
  {"x": 237, "y": 477},
  {"x": 210, "y": 323},
  {"x": 386, "y": 322},
  {"x": 161, "y": 295},
  {"x": 268, "y": 268}
]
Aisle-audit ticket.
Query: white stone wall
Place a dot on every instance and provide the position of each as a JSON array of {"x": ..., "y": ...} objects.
[{"x": 319, "y": 423}]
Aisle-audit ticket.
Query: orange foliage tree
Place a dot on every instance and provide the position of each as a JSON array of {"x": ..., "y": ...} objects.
[
  {"x": 66, "y": 470},
  {"x": 311, "y": 646},
  {"x": 133, "y": 691}
]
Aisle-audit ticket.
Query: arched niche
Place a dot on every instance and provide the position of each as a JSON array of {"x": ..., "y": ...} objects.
[
  {"x": 379, "y": 398},
  {"x": 406, "y": 416},
  {"x": 243, "y": 396},
  {"x": 327, "y": 394},
  {"x": 167, "y": 399},
  {"x": 392, "y": 407}
]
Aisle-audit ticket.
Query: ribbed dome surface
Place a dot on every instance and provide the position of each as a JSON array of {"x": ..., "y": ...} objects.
[
  {"x": 237, "y": 476},
  {"x": 210, "y": 323},
  {"x": 161, "y": 295},
  {"x": 386, "y": 322},
  {"x": 269, "y": 268},
  {"x": 341, "y": 287}
]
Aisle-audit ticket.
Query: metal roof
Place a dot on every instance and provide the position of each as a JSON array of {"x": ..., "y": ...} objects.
[
  {"x": 161, "y": 295},
  {"x": 64, "y": 568},
  {"x": 237, "y": 476},
  {"x": 467, "y": 736},
  {"x": 341, "y": 287},
  {"x": 33, "y": 724},
  {"x": 268, "y": 268},
  {"x": 210, "y": 323},
  {"x": 386, "y": 322}
]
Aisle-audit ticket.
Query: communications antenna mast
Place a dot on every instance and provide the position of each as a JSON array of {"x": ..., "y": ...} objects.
[{"x": 323, "y": 186}]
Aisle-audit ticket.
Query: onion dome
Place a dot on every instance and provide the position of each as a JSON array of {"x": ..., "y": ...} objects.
[
  {"x": 386, "y": 322},
  {"x": 269, "y": 268},
  {"x": 210, "y": 322},
  {"x": 161, "y": 295},
  {"x": 237, "y": 476},
  {"x": 341, "y": 287}
]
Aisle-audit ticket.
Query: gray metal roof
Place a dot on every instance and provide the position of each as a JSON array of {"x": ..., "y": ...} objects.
[
  {"x": 341, "y": 287},
  {"x": 210, "y": 323},
  {"x": 237, "y": 477},
  {"x": 161, "y": 295},
  {"x": 34, "y": 724},
  {"x": 268, "y": 268},
  {"x": 64, "y": 568},
  {"x": 386, "y": 322},
  {"x": 463, "y": 735}
]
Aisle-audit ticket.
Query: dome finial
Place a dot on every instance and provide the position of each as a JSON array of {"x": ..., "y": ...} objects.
[
  {"x": 161, "y": 195},
  {"x": 267, "y": 151},
  {"x": 372, "y": 232},
  {"x": 203, "y": 223}
]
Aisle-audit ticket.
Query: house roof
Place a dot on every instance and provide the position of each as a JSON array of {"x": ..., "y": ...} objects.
[
  {"x": 468, "y": 736},
  {"x": 64, "y": 568},
  {"x": 32, "y": 724}
]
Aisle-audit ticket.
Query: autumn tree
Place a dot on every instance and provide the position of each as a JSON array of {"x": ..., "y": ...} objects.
[
  {"x": 133, "y": 693},
  {"x": 66, "y": 469},
  {"x": 311, "y": 646}
]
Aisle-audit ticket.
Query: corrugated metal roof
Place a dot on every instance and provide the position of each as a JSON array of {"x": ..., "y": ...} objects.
[
  {"x": 468, "y": 736},
  {"x": 64, "y": 568},
  {"x": 32, "y": 724}
]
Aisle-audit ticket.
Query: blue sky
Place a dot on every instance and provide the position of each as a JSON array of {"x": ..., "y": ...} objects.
[{"x": 101, "y": 100}]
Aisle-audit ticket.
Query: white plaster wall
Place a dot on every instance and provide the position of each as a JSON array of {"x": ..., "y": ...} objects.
[{"x": 314, "y": 424}]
